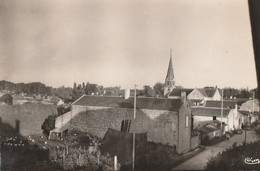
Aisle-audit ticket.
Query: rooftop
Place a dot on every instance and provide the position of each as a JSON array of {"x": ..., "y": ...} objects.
[
  {"x": 208, "y": 111},
  {"x": 226, "y": 104},
  {"x": 120, "y": 102}
]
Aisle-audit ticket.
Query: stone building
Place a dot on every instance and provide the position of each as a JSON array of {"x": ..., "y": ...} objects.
[{"x": 166, "y": 121}]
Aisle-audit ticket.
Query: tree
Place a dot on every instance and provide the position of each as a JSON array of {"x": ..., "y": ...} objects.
[
  {"x": 7, "y": 98},
  {"x": 48, "y": 124},
  {"x": 90, "y": 88},
  {"x": 159, "y": 88},
  {"x": 75, "y": 86},
  {"x": 147, "y": 91}
]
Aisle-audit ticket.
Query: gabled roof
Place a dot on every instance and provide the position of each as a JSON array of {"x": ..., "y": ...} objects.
[
  {"x": 208, "y": 111},
  {"x": 226, "y": 104},
  {"x": 120, "y": 102},
  {"x": 202, "y": 91},
  {"x": 210, "y": 92},
  {"x": 177, "y": 91}
]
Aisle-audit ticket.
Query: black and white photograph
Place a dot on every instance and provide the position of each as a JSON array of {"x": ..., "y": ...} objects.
[{"x": 129, "y": 85}]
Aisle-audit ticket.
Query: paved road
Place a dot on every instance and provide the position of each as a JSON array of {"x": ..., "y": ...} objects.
[{"x": 199, "y": 161}]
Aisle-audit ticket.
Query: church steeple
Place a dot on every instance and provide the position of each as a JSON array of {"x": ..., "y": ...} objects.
[{"x": 169, "y": 80}]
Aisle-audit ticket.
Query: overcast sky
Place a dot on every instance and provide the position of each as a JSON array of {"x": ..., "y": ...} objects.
[{"x": 126, "y": 42}]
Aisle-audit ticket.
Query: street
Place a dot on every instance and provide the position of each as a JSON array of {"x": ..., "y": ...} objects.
[{"x": 199, "y": 161}]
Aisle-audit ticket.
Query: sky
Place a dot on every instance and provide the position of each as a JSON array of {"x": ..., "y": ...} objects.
[{"x": 127, "y": 42}]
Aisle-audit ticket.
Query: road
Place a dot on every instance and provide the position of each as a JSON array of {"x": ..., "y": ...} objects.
[{"x": 199, "y": 161}]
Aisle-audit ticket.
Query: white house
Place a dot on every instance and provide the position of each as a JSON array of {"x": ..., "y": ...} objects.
[
  {"x": 205, "y": 94},
  {"x": 231, "y": 117}
]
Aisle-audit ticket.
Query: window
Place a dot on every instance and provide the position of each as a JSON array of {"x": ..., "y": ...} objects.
[
  {"x": 125, "y": 125},
  {"x": 214, "y": 118},
  {"x": 186, "y": 121}
]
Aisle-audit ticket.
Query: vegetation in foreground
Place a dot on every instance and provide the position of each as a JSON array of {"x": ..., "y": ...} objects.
[{"x": 237, "y": 157}]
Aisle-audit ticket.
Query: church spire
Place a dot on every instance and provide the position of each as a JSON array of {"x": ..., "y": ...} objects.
[
  {"x": 170, "y": 75},
  {"x": 169, "y": 80}
]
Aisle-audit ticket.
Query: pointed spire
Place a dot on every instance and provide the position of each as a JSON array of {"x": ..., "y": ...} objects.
[
  {"x": 170, "y": 75},
  {"x": 169, "y": 80}
]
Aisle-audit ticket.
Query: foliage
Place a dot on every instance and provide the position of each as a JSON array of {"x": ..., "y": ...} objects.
[
  {"x": 29, "y": 88},
  {"x": 238, "y": 93},
  {"x": 234, "y": 157},
  {"x": 62, "y": 92},
  {"x": 7, "y": 98},
  {"x": 61, "y": 110},
  {"x": 90, "y": 88},
  {"x": 49, "y": 123},
  {"x": 159, "y": 88}
]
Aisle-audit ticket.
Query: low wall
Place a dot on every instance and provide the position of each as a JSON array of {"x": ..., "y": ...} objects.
[
  {"x": 194, "y": 142},
  {"x": 62, "y": 119}
]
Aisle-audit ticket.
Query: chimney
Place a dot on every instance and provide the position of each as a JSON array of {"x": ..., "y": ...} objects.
[
  {"x": 127, "y": 93},
  {"x": 183, "y": 96}
]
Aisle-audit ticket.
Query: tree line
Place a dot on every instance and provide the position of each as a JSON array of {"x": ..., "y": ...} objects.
[{"x": 78, "y": 89}]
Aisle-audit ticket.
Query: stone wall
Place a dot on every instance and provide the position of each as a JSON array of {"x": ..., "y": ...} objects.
[
  {"x": 184, "y": 131},
  {"x": 194, "y": 142},
  {"x": 161, "y": 126}
]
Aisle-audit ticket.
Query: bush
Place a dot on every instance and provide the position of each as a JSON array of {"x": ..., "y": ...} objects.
[
  {"x": 48, "y": 124},
  {"x": 234, "y": 157}
]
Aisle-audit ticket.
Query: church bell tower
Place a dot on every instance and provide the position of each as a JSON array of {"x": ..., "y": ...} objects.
[{"x": 169, "y": 80}]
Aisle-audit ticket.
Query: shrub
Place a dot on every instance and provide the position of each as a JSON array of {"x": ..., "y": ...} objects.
[{"x": 233, "y": 158}]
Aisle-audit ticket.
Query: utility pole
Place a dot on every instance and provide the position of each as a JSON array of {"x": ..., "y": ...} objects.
[
  {"x": 133, "y": 162},
  {"x": 221, "y": 109},
  {"x": 253, "y": 103}
]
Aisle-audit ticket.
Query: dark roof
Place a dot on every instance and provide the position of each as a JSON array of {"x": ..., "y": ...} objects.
[
  {"x": 177, "y": 91},
  {"x": 105, "y": 101},
  {"x": 120, "y": 102},
  {"x": 210, "y": 92},
  {"x": 153, "y": 103},
  {"x": 207, "y": 111},
  {"x": 226, "y": 104},
  {"x": 244, "y": 112}
]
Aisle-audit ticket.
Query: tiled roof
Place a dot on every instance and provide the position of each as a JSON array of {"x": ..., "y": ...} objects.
[
  {"x": 202, "y": 91},
  {"x": 177, "y": 91},
  {"x": 207, "y": 111},
  {"x": 210, "y": 92},
  {"x": 120, "y": 102},
  {"x": 226, "y": 104},
  {"x": 104, "y": 101},
  {"x": 153, "y": 103}
]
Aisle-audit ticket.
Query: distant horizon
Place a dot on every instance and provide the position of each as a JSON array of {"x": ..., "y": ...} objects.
[
  {"x": 125, "y": 88},
  {"x": 127, "y": 42}
]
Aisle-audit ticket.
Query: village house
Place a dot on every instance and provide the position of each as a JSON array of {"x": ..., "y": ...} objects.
[
  {"x": 231, "y": 117},
  {"x": 251, "y": 109},
  {"x": 166, "y": 121},
  {"x": 19, "y": 99},
  {"x": 201, "y": 95}
]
